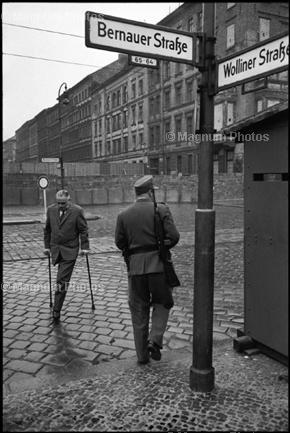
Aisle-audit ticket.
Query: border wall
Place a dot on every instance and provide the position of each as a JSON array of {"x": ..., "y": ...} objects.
[{"x": 100, "y": 184}]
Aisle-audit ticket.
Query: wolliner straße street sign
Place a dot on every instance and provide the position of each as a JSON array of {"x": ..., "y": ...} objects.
[
  {"x": 132, "y": 37},
  {"x": 255, "y": 62}
]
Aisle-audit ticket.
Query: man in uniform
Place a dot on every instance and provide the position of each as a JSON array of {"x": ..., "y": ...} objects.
[
  {"x": 135, "y": 236},
  {"x": 65, "y": 224}
]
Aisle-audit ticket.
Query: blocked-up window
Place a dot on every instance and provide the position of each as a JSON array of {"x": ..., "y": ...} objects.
[
  {"x": 259, "y": 105},
  {"x": 264, "y": 28},
  {"x": 271, "y": 102},
  {"x": 230, "y": 113},
  {"x": 230, "y": 36},
  {"x": 218, "y": 116}
]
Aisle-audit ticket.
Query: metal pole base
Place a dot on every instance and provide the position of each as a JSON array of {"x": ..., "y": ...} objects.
[{"x": 201, "y": 380}]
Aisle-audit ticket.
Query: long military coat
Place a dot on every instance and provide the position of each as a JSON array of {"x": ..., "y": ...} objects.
[
  {"x": 135, "y": 228},
  {"x": 66, "y": 235}
]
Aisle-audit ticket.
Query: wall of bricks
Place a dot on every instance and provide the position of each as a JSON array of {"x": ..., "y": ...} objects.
[{"x": 90, "y": 190}]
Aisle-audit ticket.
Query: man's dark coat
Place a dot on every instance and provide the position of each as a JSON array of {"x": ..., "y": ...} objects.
[
  {"x": 63, "y": 236},
  {"x": 135, "y": 228}
]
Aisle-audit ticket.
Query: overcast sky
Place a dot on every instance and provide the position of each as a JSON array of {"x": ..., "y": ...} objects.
[{"x": 30, "y": 85}]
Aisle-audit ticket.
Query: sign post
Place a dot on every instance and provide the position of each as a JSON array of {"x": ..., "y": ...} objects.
[{"x": 43, "y": 184}]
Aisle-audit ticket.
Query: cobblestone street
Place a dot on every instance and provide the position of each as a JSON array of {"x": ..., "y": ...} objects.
[
  {"x": 38, "y": 354},
  {"x": 35, "y": 349}
]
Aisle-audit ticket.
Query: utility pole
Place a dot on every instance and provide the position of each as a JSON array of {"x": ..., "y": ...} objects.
[{"x": 201, "y": 371}]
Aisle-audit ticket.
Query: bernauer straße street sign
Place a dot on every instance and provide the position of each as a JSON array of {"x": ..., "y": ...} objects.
[
  {"x": 255, "y": 62},
  {"x": 133, "y": 37}
]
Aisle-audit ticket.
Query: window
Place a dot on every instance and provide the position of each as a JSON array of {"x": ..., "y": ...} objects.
[
  {"x": 189, "y": 124},
  {"x": 179, "y": 164},
  {"x": 133, "y": 90},
  {"x": 230, "y": 113},
  {"x": 100, "y": 127},
  {"x": 190, "y": 25},
  {"x": 157, "y": 105},
  {"x": 125, "y": 141},
  {"x": 108, "y": 127},
  {"x": 177, "y": 68},
  {"x": 178, "y": 95},
  {"x": 125, "y": 119},
  {"x": 140, "y": 87},
  {"x": 259, "y": 105},
  {"x": 151, "y": 106},
  {"x": 114, "y": 100},
  {"x": 125, "y": 94},
  {"x": 230, "y": 36},
  {"x": 177, "y": 124},
  {"x": 108, "y": 147},
  {"x": 118, "y": 98},
  {"x": 167, "y": 98},
  {"x": 134, "y": 141},
  {"x": 264, "y": 29},
  {"x": 189, "y": 91},
  {"x": 140, "y": 139},
  {"x": 151, "y": 136},
  {"x": 108, "y": 103},
  {"x": 140, "y": 113},
  {"x": 218, "y": 116},
  {"x": 167, "y": 128},
  {"x": 189, "y": 164},
  {"x": 133, "y": 111},
  {"x": 166, "y": 70},
  {"x": 271, "y": 102},
  {"x": 168, "y": 165},
  {"x": 157, "y": 135}
]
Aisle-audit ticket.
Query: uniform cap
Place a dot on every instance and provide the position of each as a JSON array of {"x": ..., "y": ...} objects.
[{"x": 144, "y": 184}]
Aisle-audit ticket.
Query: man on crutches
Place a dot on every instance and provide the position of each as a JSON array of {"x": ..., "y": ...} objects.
[{"x": 65, "y": 229}]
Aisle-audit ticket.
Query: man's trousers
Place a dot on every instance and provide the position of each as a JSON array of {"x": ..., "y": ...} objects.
[
  {"x": 145, "y": 291},
  {"x": 64, "y": 273}
]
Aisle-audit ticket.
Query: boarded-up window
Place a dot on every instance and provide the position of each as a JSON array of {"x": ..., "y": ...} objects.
[
  {"x": 264, "y": 28},
  {"x": 259, "y": 105},
  {"x": 230, "y": 113},
  {"x": 230, "y": 36},
  {"x": 218, "y": 116},
  {"x": 271, "y": 102}
]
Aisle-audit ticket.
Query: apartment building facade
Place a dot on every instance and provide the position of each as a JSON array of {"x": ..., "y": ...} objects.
[
  {"x": 120, "y": 117},
  {"x": 137, "y": 114},
  {"x": 65, "y": 130},
  {"x": 237, "y": 26},
  {"x": 9, "y": 150}
]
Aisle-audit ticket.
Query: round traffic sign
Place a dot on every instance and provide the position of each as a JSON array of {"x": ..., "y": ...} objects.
[{"x": 43, "y": 182}]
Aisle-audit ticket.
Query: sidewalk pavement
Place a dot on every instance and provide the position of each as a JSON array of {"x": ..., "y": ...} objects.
[{"x": 250, "y": 394}]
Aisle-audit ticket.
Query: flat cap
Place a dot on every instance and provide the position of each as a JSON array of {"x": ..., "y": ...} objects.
[
  {"x": 144, "y": 184},
  {"x": 62, "y": 195}
]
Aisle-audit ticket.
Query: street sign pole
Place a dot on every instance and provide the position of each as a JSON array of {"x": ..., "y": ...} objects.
[
  {"x": 43, "y": 184},
  {"x": 201, "y": 371},
  {"x": 44, "y": 203}
]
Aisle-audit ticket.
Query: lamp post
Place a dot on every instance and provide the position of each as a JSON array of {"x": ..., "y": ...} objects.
[{"x": 62, "y": 99}]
